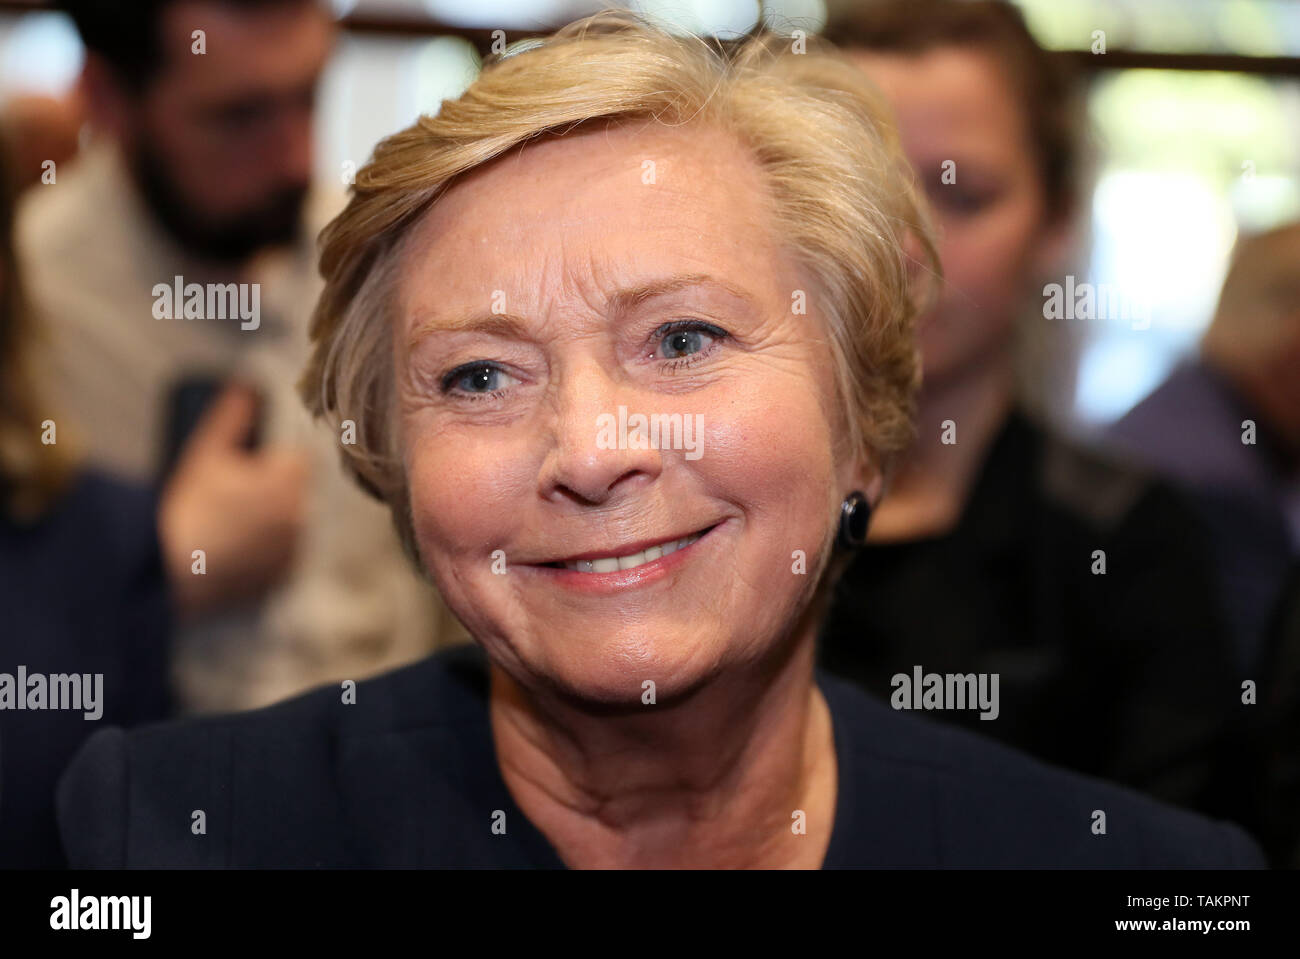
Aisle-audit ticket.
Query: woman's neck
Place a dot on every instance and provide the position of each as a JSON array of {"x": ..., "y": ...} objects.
[
  {"x": 957, "y": 419},
  {"x": 713, "y": 781}
]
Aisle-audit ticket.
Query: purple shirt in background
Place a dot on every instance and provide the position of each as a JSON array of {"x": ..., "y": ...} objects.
[{"x": 1190, "y": 430}]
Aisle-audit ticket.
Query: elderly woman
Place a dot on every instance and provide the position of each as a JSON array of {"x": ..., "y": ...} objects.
[{"x": 531, "y": 296}]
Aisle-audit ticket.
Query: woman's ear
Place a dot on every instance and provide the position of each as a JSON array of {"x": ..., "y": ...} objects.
[
  {"x": 868, "y": 478},
  {"x": 874, "y": 487}
]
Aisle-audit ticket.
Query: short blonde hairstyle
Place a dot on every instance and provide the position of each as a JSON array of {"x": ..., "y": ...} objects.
[{"x": 844, "y": 200}]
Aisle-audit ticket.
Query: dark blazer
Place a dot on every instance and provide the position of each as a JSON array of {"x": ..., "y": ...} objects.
[
  {"x": 407, "y": 776},
  {"x": 82, "y": 590}
]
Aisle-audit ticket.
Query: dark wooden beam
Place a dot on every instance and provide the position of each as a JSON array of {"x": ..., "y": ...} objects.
[
  {"x": 481, "y": 39},
  {"x": 418, "y": 26},
  {"x": 1226, "y": 62}
]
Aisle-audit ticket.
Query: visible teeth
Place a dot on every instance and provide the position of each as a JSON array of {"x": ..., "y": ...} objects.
[{"x": 610, "y": 564}]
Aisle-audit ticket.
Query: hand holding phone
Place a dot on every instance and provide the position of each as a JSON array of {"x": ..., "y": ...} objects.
[
  {"x": 243, "y": 508},
  {"x": 187, "y": 401}
]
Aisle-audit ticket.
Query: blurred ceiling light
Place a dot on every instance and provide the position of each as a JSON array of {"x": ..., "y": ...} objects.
[
  {"x": 729, "y": 17},
  {"x": 1244, "y": 27},
  {"x": 446, "y": 66},
  {"x": 703, "y": 17},
  {"x": 508, "y": 14},
  {"x": 41, "y": 54},
  {"x": 786, "y": 15}
]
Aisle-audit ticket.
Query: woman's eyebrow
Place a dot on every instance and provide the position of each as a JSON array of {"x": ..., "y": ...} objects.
[
  {"x": 504, "y": 325},
  {"x": 625, "y": 300}
]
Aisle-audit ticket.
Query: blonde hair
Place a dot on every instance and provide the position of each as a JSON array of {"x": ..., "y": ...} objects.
[
  {"x": 844, "y": 200},
  {"x": 32, "y": 474},
  {"x": 1252, "y": 319}
]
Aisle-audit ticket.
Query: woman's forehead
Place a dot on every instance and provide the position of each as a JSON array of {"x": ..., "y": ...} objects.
[
  {"x": 595, "y": 178},
  {"x": 593, "y": 212}
]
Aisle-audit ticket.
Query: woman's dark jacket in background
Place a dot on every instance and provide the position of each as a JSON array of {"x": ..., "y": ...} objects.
[
  {"x": 1126, "y": 675},
  {"x": 82, "y": 591}
]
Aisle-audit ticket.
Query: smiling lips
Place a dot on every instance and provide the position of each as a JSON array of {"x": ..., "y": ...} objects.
[
  {"x": 609, "y": 564},
  {"x": 612, "y": 564}
]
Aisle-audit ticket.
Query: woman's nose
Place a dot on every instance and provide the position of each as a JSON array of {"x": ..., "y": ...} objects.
[{"x": 595, "y": 455}]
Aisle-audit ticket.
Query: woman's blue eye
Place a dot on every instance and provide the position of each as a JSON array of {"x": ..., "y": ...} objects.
[
  {"x": 680, "y": 341},
  {"x": 475, "y": 378},
  {"x": 683, "y": 342}
]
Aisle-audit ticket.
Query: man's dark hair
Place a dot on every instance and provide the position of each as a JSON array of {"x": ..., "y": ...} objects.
[{"x": 128, "y": 33}]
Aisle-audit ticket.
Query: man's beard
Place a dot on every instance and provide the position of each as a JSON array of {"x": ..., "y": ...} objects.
[{"x": 275, "y": 222}]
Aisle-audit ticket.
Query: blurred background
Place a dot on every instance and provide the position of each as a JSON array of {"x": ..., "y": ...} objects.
[{"x": 1194, "y": 110}]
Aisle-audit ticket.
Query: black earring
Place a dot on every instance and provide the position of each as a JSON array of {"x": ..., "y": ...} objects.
[{"x": 855, "y": 514}]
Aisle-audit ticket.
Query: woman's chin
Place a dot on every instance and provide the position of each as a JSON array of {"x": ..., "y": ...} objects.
[{"x": 632, "y": 670}]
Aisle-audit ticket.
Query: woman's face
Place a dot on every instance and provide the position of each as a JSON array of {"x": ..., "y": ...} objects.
[
  {"x": 957, "y": 115},
  {"x": 554, "y": 295}
]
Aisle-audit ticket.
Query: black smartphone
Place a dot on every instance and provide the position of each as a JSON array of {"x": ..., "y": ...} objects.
[{"x": 187, "y": 401}]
